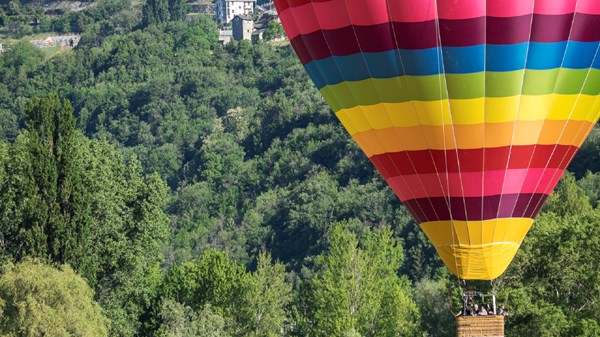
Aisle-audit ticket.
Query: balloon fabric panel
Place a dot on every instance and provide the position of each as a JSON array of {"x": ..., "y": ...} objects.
[{"x": 471, "y": 110}]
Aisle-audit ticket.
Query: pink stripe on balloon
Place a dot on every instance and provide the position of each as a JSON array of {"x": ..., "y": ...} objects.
[
  {"x": 588, "y": 6},
  {"x": 412, "y": 11},
  {"x": 554, "y": 7},
  {"x": 366, "y": 13},
  {"x": 424, "y": 10},
  {"x": 463, "y": 9},
  {"x": 503, "y": 8},
  {"x": 543, "y": 183},
  {"x": 335, "y": 14},
  {"x": 469, "y": 184},
  {"x": 331, "y": 14}
]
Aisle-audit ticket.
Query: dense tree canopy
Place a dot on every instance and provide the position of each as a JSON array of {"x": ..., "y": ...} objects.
[
  {"x": 73, "y": 200},
  {"x": 356, "y": 291}
]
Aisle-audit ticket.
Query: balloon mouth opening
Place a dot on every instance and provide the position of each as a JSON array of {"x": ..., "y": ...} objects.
[{"x": 477, "y": 250}]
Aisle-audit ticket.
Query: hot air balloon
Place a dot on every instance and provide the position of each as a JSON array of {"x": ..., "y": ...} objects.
[{"x": 470, "y": 109}]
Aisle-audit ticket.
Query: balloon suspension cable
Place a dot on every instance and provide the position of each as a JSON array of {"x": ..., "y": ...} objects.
[
  {"x": 493, "y": 295},
  {"x": 462, "y": 292},
  {"x": 459, "y": 283}
]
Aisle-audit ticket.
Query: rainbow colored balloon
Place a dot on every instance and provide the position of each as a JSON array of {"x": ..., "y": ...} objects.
[{"x": 470, "y": 109}]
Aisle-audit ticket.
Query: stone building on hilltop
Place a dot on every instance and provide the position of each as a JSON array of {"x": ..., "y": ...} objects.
[{"x": 242, "y": 27}]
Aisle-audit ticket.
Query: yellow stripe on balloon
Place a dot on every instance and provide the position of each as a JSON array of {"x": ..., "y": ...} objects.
[
  {"x": 478, "y": 250},
  {"x": 415, "y": 138},
  {"x": 470, "y": 111}
]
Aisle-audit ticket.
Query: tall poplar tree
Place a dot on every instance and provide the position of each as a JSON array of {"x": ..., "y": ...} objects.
[
  {"x": 44, "y": 203},
  {"x": 155, "y": 12}
]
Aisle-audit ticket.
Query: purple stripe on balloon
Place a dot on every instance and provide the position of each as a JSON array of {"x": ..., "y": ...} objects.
[
  {"x": 511, "y": 30},
  {"x": 477, "y": 208},
  {"x": 551, "y": 28},
  {"x": 353, "y": 39},
  {"x": 586, "y": 28}
]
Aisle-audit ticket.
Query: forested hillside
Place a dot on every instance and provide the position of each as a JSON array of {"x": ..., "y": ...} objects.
[{"x": 178, "y": 187}]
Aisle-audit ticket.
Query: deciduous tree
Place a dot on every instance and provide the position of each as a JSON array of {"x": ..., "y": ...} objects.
[
  {"x": 356, "y": 288},
  {"x": 38, "y": 300}
]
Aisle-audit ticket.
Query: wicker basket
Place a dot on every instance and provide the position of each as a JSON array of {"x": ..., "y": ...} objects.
[{"x": 480, "y": 326}]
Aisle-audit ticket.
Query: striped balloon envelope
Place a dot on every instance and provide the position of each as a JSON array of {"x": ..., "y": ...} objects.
[{"x": 470, "y": 109}]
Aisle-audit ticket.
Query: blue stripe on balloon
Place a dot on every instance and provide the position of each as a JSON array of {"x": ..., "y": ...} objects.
[
  {"x": 421, "y": 62},
  {"x": 580, "y": 55},
  {"x": 505, "y": 57},
  {"x": 596, "y": 64},
  {"x": 543, "y": 56},
  {"x": 464, "y": 60},
  {"x": 456, "y": 60},
  {"x": 324, "y": 72}
]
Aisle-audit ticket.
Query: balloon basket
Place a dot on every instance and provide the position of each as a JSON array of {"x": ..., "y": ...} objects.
[{"x": 480, "y": 326}]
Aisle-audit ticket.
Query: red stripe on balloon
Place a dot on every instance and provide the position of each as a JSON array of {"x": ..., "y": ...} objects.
[{"x": 472, "y": 160}]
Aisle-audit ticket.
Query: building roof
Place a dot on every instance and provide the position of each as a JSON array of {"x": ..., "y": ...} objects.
[{"x": 244, "y": 17}]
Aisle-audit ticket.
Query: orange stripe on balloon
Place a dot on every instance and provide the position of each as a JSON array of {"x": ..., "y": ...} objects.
[{"x": 425, "y": 137}]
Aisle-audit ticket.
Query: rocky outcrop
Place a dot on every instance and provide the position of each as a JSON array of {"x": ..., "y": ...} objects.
[{"x": 57, "y": 41}]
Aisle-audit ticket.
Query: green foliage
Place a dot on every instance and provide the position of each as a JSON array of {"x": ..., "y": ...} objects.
[
  {"x": 3, "y": 17},
  {"x": 274, "y": 31},
  {"x": 568, "y": 198},
  {"x": 266, "y": 295},
  {"x": 155, "y": 12},
  {"x": 356, "y": 289},
  {"x": 588, "y": 156},
  {"x": 588, "y": 328},
  {"x": 552, "y": 283},
  {"x": 590, "y": 184},
  {"x": 159, "y": 11},
  {"x": 76, "y": 201},
  {"x": 179, "y": 320},
  {"x": 215, "y": 279},
  {"x": 435, "y": 302},
  {"x": 38, "y": 300},
  {"x": 422, "y": 261},
  {"x": 250, "y": 304},
  {"x": 178, "y": 10},
  {"x": 41, "y": 215},
  {"x": 30, "y": 17},
  {"x": 17, "y": 68}
]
